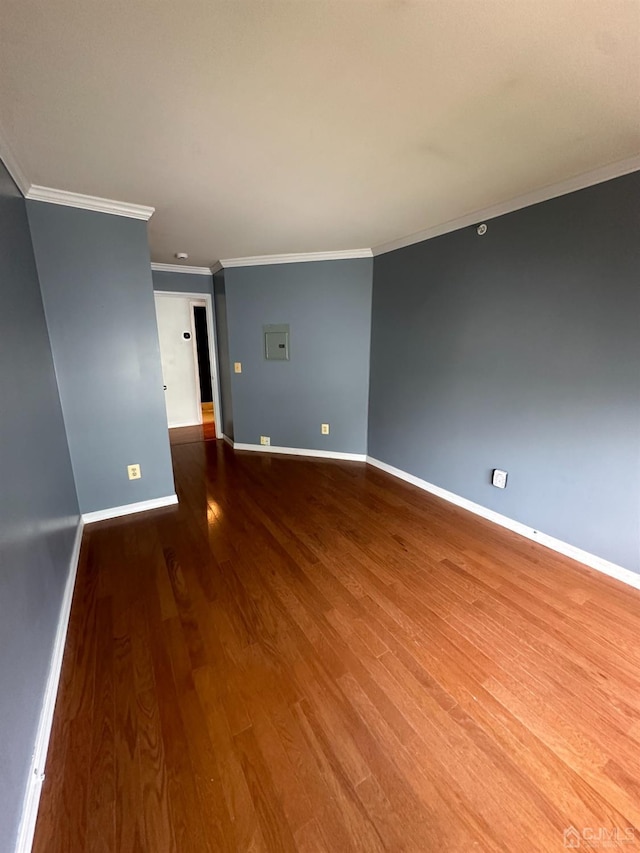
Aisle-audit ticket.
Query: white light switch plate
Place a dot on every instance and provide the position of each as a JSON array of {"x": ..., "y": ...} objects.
[{"x": 237, "y": 367}]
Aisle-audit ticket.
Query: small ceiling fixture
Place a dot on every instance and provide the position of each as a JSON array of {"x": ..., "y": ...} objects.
[
  {"x": 482, "y": 229},
  {"x": 182, "y": 256}
]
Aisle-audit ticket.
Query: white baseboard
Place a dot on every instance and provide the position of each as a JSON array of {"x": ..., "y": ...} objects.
[
  {"x": 128, "y": 509},
  {"x": 228, "y": 440},
  {"x": 182, "y": 424},
  {"x": 38, "y": 760},
  {"x": 591, "y": 560},
  {"x": 297, "y": 451}
]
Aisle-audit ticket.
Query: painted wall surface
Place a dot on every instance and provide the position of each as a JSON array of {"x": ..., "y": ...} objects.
[
  {"x": 521, "y": 350},
  {"x": 95, "y": 277},
  {"x": 328, "y": 307},
  {"x": 224, "y": 363},
  {"x": 38, "y": 506},
  {"x": 182, "y": 282}
]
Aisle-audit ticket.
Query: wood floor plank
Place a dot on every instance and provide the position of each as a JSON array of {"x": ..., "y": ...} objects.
[
  {"x": 354, "y": 831},
  {"x": 308, "y": 655},
  {"x": 130, "y": 828},
  {"x": 157, "y": 815},
  {"x": 65, "y": 793},
  {"x": 238, "y": 798},
  {"x": 101, "y": 795}
]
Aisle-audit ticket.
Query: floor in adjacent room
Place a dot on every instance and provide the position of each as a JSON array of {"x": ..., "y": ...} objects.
[
  {"x": 311, "y": 655},
  {"x": 205, "y": 431}
]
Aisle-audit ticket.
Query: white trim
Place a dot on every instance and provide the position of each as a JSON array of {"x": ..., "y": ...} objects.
[
  {"x": 213, "y": 352},
  {"x": 573, "y": 184},
  {"x": 128, "y": 509},
  {"x": 215, "y": 268},
  {"x": 178, "y": 268},
  {"x": 578, "y": 182},
  {"x": 198, "y": 303},
  {"x": 228, "y": 440},
  {"x": 591, "y": 560},
  {"x": 89, "y": 202},
  {"x": 298, "y": 451},
  {"x": 305, "y": 257},
  {"x": 213, "y": 364},
  {"x": 183, "y": 424},
  {"x": 45, "y": 723},
  {"x": 13, "y": 166}
]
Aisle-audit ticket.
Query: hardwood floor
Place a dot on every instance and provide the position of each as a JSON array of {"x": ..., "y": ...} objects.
[
  {"x": 206, "y": 431},
  {"x": 309, "y": 655}
]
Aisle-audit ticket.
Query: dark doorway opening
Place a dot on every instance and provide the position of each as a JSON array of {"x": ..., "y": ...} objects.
[{"x": 202, "y": 348}]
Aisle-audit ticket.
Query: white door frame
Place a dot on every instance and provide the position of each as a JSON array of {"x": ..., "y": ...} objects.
[{"x": 213, "y": 348}]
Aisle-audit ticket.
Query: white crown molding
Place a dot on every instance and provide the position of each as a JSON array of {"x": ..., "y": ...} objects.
[
  {"x": 179, "y": 268},
  {"x": 591, "y": 560},
  {"x": 68, "y": 199},
  {"x": 216, "y": 267},
  {"x": 13, "y": 166},
  {"x": 136, "y": 211},
  {"x": 89, "y": 202},
  {"x": 305, "y": 257},
  {"x": 578, "y": 182}
]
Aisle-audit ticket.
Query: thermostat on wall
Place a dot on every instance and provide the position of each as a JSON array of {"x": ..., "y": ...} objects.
[{"x": 276, "y": 342}]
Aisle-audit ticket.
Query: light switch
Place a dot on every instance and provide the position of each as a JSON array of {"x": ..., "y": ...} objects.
[{"x": 237, "y": 367}]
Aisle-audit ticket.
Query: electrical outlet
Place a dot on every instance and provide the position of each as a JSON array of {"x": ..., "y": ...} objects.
[
  {"x": 265, "y": 440},
  {"x": 324, "y": 429},
  {"x": 237, "y": 367},
  {"x": 499, "y": 478},
  {"x": 134, "y": 472}
]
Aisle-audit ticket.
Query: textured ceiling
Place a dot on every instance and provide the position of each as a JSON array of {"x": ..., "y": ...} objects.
[{"x": 273, "y": 127}]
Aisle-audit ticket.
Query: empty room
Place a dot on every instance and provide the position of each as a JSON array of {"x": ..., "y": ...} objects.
[{"x": 319, "y": 426}]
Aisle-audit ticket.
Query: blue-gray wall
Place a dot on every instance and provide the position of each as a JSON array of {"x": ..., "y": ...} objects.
[
  {"x": 521, "y": 350},
  {"x": 224, "y": 363},
  {"x": 181, "y": 282},
  {"x": 328, "y": 307},
  {"x": 95, "y": 276},
  {"x": 38, "y": 506}
]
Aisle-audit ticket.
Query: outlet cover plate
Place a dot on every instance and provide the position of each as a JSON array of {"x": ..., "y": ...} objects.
[{"x": 499, "y": 478}]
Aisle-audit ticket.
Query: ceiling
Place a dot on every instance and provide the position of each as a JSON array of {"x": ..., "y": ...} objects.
[{"x": 257, "y": 127}]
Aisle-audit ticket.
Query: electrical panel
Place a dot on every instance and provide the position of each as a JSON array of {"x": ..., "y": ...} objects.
[{"x": 276, "y": 342}]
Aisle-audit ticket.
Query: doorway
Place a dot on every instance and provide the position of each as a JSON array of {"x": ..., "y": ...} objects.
[
  {"x": 186, "y": 334},
  {"x": 204, "y": 364}
]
